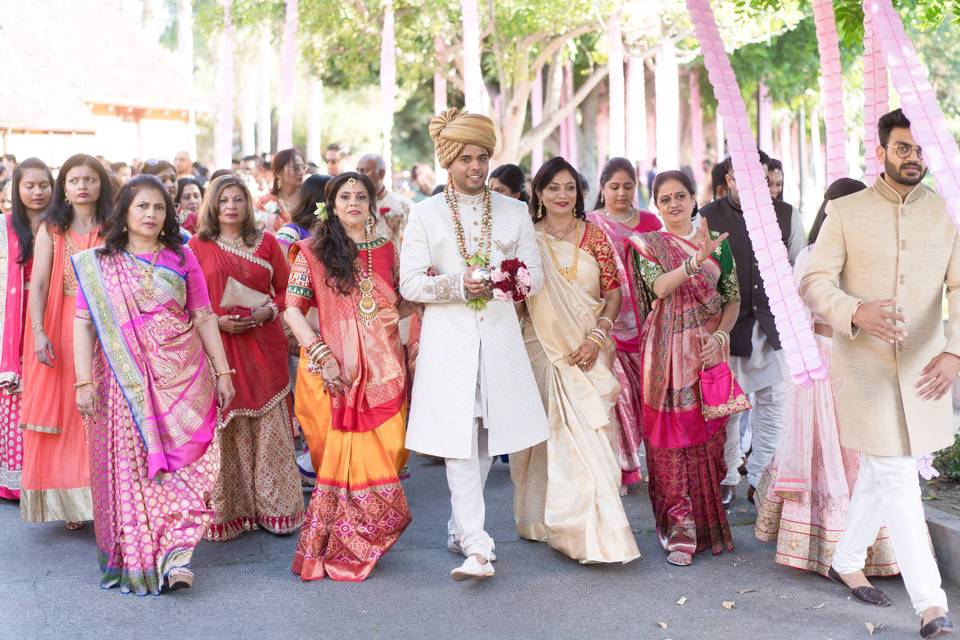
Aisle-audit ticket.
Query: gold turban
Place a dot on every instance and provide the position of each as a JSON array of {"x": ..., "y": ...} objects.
[{"x": 452, "y": 131}]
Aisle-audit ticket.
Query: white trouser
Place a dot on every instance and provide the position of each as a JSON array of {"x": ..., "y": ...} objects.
[
  {"x": 888, "y": 492},
  {"x": 732, "y": 454},
  {"x": 466, "y": 479},
  {"x": 766, "y": 420}
]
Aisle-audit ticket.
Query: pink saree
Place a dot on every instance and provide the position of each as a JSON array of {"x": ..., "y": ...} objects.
[
  {"x": 152, "y": 466},
  {"x": 626, "y": 336},
  {"x": 12, "y": 310}
]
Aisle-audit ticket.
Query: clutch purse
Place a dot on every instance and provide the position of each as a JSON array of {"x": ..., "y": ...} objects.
[
  {"x": 720, "y": 394},
  {"x": 237, "y": 294}
]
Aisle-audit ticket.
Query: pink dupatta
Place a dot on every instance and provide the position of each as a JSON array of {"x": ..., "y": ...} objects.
[
  {"x": 154, "y": 353},
  {"x": 12, "y": 305}
]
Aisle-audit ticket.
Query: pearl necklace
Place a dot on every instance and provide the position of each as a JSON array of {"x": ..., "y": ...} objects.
[{"x": 481, "y": 256}]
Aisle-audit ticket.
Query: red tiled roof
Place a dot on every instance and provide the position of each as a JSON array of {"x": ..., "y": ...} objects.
[{"x": 59, "y": 57}]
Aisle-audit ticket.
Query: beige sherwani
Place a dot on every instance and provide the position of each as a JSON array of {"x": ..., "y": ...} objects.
[{"x": 874, "y": 246}]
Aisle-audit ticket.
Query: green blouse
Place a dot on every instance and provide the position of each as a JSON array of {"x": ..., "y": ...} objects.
[{"x": 728, "y": 286}]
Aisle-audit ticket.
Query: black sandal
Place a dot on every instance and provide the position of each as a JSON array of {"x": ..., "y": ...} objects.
[
  {"x": 870, "y": 595},
  {"x": 937, "y": 627}
]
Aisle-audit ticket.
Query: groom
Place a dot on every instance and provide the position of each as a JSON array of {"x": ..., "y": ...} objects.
[{"x": 474, "y": 395}]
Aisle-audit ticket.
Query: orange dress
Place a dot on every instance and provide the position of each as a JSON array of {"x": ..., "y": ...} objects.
[{"x": 55, "y": 484}]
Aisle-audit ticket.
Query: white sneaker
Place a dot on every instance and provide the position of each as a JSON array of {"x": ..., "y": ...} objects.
[
  {"x": 472, "y": 569},
  {"x": 453, "y": 546}
]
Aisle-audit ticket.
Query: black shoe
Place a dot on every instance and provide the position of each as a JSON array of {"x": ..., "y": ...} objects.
[
  {"x": 936, "y": 628},
  {"x": 870, "y": 595},
  {"x": 751, "y": 490},
  {"x": 728, "y": 492}
]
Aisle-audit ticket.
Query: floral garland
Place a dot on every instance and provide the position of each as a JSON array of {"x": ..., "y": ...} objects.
[{"x": 481, "y": 257}]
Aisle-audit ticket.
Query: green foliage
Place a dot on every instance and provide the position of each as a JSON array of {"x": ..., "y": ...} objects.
[{"x": 947, "y": 461}]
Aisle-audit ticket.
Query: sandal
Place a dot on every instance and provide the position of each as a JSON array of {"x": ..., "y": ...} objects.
[
  {"x": 680, "y": 558},
  {"x": 73, "y": 525},
  {"x": 181, "y": 578}
]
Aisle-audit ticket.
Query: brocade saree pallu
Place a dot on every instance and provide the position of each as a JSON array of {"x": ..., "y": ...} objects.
[{"x": 567, "y": 489}]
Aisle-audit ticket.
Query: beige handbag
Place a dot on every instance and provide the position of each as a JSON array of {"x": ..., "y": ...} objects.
[{"x": 237, "y": 294}]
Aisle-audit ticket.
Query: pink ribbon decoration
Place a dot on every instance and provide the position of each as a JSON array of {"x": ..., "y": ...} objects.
[
  {"x": 876, "y": 99},
  {"x": 792, "y": 319},
  {"x": 919, "y": 103},
  {"x": 831, "y": 88}
]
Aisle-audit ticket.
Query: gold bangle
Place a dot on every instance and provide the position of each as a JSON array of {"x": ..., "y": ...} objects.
[
  {"x": 228, "y": 372},
  {"x": 85, "y": 383},
  {"x": 595, "y": 340}
]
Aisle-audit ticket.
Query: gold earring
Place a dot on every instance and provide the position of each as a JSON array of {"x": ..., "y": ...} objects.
[
  {"x": 540, "y": 209},
  {"x": 67, "y": 201}
]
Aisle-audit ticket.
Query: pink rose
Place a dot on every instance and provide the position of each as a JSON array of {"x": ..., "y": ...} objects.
[
  {"x": 502, "y": 296},
  {"x": 523, "y": 278}
]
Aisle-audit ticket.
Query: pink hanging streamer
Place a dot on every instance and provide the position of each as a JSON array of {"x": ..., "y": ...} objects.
[
  {"x": 919, "y": 102},
  {"x": 792, "y": 318},
  {"x": 876, "y": 99},
  {"x": 831, "y": 88}
]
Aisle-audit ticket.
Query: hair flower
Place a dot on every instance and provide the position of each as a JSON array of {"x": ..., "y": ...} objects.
[{"x": 321, "y": 212}]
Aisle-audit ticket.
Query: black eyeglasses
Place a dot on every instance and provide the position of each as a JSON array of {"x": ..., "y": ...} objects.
[{"x": 904, "y": 150}]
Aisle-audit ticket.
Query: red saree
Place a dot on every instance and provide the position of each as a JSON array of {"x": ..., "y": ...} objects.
[{"x": 260, "y": 354}]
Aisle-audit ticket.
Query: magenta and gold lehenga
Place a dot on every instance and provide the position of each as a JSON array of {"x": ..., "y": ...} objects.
[{"x": 152, "y": 464}]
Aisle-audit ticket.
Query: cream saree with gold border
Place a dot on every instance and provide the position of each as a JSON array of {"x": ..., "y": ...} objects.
[{"x": 567, "y": 488}]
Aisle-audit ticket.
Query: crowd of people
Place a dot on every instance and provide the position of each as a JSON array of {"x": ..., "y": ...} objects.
[{"x": 169, "y": 337}]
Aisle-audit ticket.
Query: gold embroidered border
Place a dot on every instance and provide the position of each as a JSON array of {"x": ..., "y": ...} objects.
[
  {"x": 256, "y": 413},
  {"x": 247, "y": 254},
  {"x": 40, "y": 429},
  {"x": 53, "y": 505}
]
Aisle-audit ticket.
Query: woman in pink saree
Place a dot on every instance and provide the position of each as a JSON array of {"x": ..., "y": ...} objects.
[
  {"x": 32, "y": 190},
  {"x": 143, "y": 335},
  {"x": 615, "y": 214}
]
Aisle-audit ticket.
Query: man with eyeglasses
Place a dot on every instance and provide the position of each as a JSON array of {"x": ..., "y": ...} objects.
[
  {"x": 877, "y": 273},
  {"x": 755, "y": 353}
]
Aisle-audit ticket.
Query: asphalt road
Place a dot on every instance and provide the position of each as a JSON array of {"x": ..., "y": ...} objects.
[{"x": 244, "y": 589}]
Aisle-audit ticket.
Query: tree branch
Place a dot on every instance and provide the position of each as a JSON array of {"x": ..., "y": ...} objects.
[
  {"x": 551, "y": 49},
  {"x": 551, "y": 122}
]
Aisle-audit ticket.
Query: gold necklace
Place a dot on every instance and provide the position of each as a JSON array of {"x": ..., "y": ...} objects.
[
  {"x": 569, "y": 273},
  {"x": 559, "y": 235},
  {"x": 367, "y": 306},
  {"x": 146, "y": 273}
]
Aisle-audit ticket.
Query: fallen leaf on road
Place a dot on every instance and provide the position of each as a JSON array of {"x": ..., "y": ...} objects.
[
  {"x": 873, "y": 628},
  {"x": 819, "y": 606},
  {"x": 662, "y": 625},
  {"x": 728, "y": 604},
  {"x": 743, "y": 591},
  {"x": 682, "y": 601}
]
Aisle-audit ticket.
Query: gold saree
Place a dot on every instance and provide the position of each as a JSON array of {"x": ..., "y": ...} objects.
[{"x": 567, "y": 488}]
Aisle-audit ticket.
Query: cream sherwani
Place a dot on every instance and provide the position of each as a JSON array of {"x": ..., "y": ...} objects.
[
  {"x": 876, "y": 245},
  {"x": 462, "y": 350}
]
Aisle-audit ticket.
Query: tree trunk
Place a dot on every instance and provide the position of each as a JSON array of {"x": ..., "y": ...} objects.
[
  {"x": 264, "y": 94},
  {"x": 536, "y": 117},
  {"x": 589, "y": 157},
  {"x": 223, "y": 132},
  {"x": 786, "y": 157},
  {"x": 697, "y": 151},
  {"x": 185, "y": 53},
  {"x": 667, "y": 85},
  {"x": 636, "y": 120},
  {"x": 816, "y": 151},
  {"x": 439, "y": 97},
  {"x": 721, "y": 150},
  {"x": 388, "y": 87},
  {"x": 315, "y": 121},
  {"x": 601, "y": 131},
  {"x": 472, "y": 72},
  {"x": 288, "y": 75},
  {"x": 764, "y": 118},
  {"x": 248, "y": 117},
  {"x": 573, "y": 148},
  {"x": 804, "y": 163},
  {"x": 616, "y": 92}
]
